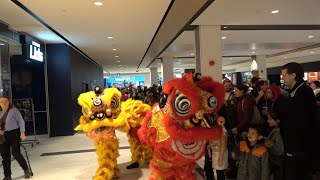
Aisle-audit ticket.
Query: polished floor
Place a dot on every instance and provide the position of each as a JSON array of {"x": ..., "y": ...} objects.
[{"x": 74, "y": 158}]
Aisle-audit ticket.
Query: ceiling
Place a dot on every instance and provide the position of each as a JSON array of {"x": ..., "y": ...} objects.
[
  {"x": 256, "y": 42},
  {"x": 134, "y": 23},
  {"x": 87, "y": 26}
]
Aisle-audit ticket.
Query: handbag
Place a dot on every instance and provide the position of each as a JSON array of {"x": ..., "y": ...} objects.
[{"x": 2, "y": 123}]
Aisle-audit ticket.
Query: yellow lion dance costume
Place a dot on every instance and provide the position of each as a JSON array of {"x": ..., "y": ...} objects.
[{"x": 102, "y": 114}]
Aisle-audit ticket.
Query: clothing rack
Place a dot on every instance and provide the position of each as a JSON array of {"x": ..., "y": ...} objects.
[{"x": 26, "y": 106}]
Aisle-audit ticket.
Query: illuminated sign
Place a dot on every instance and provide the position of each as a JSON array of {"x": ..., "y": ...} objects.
[{"x": 35, "y": 52}]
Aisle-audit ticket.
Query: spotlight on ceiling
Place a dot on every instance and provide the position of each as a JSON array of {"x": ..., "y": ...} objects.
[{"x": 98, "y": 3}]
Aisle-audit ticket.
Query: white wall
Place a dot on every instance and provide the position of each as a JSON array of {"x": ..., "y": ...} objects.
[{"x": 147, "y": 80}]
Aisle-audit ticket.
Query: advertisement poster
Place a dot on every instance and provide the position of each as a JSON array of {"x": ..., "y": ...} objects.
[
  {"x": 123, "y": 81},
  {"x": 25, "y": 108}
]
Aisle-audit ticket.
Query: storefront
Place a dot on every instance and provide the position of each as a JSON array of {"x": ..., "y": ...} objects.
[{"x": 23, "y": 77}]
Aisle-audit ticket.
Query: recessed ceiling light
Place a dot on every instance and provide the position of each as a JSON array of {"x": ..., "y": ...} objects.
[
  {"x": 311, "y": 52},
  {"x": 110, "y": 37},
  {"x": 225, "y": 27},
  {"x": 147, "y": 68},
  {"x": 116, "y": 56},
  {"x": 286, "y": 57},
  {"x": 114, "y": 49},
  {"x": 192, "y": 54},
  {"x": 119, "y": 65},
  {"x": 118, "y": 61},
  {"x": 253, "y": 52},
  {"x": 1, "y": 44},
  {"x": 275, "y": 11},
  {"x": 310, "y": 36},
  {"x": 98, "y": 3},
  {"x": 224, "y": 37}
]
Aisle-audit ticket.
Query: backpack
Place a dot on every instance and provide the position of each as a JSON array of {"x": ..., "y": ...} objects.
[{"x": 256, "y": 117}]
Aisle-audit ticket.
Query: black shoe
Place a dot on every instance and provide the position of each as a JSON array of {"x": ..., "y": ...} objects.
[
  {"x": 27, "y": 174},
  {"x": 7, "y": 178},
  {"x": 133, "y": 165}
]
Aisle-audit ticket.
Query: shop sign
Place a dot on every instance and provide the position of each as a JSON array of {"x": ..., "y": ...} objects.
[{"x": 35, "y": 52}]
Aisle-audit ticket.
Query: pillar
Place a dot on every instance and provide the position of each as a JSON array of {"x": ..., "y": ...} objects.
[
  {"x": 166, "y": 69},
  {"x": 208, "y": 51},
  {"x": 154, "y": 76},
  {"x": 262, "y": 65}
]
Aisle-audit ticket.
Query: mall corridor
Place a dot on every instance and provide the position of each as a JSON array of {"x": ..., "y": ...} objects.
[{"x": 74, "y": 158}]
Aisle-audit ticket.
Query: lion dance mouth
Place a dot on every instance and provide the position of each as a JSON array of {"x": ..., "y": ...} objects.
[
  {"x": 191, "y": 151},
  {"x": 103, "y": 133}
]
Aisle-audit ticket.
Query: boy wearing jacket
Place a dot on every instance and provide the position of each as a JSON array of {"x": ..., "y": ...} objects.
[{"x": 254, "y": 157}]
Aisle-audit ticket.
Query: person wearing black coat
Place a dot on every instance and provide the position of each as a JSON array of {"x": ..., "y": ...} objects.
[{"x": 300, "y": 128}]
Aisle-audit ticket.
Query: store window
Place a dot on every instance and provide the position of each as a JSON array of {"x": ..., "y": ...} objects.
[{"x": 5, "y": 87}]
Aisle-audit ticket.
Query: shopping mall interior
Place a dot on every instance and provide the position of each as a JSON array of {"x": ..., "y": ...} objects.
[{"x": 53, "y": 51}]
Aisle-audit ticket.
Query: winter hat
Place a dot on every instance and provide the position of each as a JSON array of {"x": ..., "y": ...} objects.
[{"x": 276, "y": 92}]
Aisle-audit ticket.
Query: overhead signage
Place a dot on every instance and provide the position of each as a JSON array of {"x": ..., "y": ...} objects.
[{"x": 35, "y": 52}]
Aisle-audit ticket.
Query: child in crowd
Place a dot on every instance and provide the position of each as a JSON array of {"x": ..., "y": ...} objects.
[
  {"x": 218, "y": 152},
  {"x": 276, "y": 150},
  {"x": 254, "y": 157}
]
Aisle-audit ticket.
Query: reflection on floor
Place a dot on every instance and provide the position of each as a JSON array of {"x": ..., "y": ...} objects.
[{"x": 74, "y": 158}]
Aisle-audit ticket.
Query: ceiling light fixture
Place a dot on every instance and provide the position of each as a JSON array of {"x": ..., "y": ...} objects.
[
  {"x": 1, "y": 44},
  {"x": 224, "y": 37},
  {"x": 110, "y": 37},
  {"x": 286, "y": 57},
  {"x": 119, "y": 65},
  {"x": 147, "y": 68},
  {"x": 311, "y": 52},
  {"x": 275, "y": 11},
  {"x": 116, "y": 56},
  {"x": 192, "y": 54},
  {"x": 225, "y": 27},
  {"x": 253, "y": 52},
  {"x": 114, "y": 49},
  {"x": 98, "y": 3},
  {"x": 310, "y": 36},
  {"x": 118, "y": 61}
]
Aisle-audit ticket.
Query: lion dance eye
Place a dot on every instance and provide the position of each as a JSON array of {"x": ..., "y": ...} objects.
[
  {"x": 181, "y": 104},
  {"x": 114, "y": 103},
  {"x": 213, "y": 102}
]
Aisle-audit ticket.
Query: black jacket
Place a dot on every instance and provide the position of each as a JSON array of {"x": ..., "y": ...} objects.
[{"x": 300, "y": 124}]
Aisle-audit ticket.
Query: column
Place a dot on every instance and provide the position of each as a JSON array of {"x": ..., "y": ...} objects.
[
  {"x": 166, "y": 69},
  {"x": 154, "y": 76},
  {"x": 262, "y": 65},
  {"x": 208, "y": 51}
]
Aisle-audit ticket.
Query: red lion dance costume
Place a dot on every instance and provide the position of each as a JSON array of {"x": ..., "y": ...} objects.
[{"x": 177, "y": 129}]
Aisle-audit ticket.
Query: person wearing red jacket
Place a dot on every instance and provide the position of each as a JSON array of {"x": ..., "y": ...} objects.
[{"x": 243, "y": 109}]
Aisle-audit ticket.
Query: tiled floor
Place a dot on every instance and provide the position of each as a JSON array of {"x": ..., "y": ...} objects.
[{"x": 74, "y": 166}]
